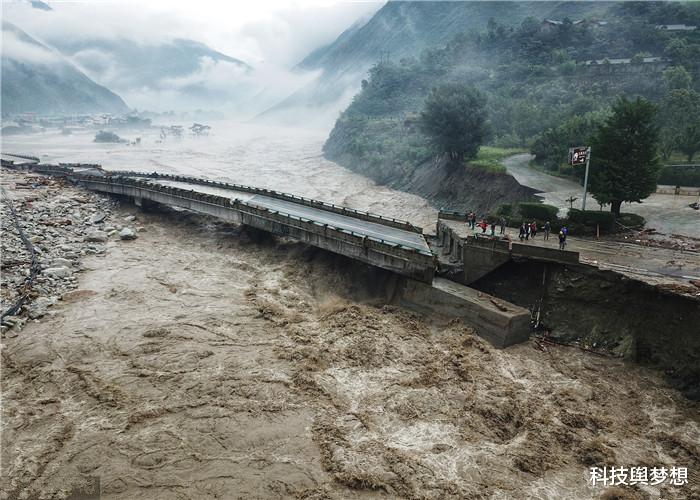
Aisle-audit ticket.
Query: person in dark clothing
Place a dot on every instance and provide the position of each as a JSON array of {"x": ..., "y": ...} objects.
[
  {"x": 562, "y": 239},
  {"x": 471, "y": 220},
  {"x": 547, "y": 229},
  {"x": 493, "y": 228},
  {"x": 533, "y": 229},
  {"x": 523, "y": 231},
  {"x": 502, "y": 221}
]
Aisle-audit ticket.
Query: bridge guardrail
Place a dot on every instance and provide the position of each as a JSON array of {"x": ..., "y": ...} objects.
[
  {"x": 357, "y": 239},
  {"x": 24, "y": 157},
  {"x": 452, "y": 215},
  {"x": 329, "y": 207}
]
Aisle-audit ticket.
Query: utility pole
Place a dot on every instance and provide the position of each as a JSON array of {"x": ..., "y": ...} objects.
[{"x": 585, "y": 178}]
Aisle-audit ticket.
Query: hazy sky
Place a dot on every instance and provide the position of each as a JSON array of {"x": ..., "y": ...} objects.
[
  {"x": 272, "y": 36},
  {"x": 280, "y": 32}
]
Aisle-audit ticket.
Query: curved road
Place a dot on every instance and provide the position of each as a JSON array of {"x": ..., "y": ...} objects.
[{"x": 666, "y": 213}]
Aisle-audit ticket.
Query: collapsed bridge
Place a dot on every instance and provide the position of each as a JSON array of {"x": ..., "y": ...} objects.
[{"x": 394, "y": 245}]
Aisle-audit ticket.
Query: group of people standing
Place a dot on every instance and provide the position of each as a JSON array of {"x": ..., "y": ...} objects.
[
  {"x": 527, "y": 231},
  {"x": 484, "y": 225}
]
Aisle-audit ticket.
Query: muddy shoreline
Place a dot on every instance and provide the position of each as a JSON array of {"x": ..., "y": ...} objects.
[{"x": 202, "y": 361}]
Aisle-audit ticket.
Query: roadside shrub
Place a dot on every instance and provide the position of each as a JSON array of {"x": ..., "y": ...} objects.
[
  {"x": 505, "y": 210},
  {"x": 538, "y": 211},
  {"x": 632, "y": 221},
  {"x": 680, "y": 175},
  {"x": 591, "y": 218}
]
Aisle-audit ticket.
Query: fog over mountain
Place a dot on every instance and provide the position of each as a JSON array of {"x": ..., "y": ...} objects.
[
  {"x": 144, "y": 71},
  {"x": 403, "y": 29},
  {"x": 163, "y": 56},
  {"x": 37, "y": 79}
]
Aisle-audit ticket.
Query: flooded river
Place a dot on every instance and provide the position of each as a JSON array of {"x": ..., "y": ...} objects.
[
  {"x": 198, "y": 361},
  {"x": 283, "y": 159}
]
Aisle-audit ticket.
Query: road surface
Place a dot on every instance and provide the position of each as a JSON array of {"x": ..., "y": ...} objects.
[
  {"x": 389, "y": 234},
  {"x": 668, "y": 214}
]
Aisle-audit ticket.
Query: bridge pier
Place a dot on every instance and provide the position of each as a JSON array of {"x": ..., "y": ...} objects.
[{"x": 145, "y": 205}]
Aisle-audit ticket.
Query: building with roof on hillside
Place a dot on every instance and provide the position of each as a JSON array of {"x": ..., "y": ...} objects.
[{"x": 676, "y": 27}]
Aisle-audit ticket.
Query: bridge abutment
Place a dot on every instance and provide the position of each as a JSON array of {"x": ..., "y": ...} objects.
[{"x": 499, "y": 322}]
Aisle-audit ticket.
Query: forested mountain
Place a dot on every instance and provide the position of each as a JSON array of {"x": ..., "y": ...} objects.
[
  {"x": 37, "y": 79},
  {"x": 404, "y": 28},
  {"x": 547, "y": 83}
]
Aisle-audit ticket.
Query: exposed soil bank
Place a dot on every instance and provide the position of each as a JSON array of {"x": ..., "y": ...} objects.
[
  {"x": 461, "y": 189},
  {"x": 640, "y": 322}
]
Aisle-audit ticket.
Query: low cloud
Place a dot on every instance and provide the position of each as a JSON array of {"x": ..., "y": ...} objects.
[
  {"x": 271, "y": 36},
  {"x": 13, "y": 47}
]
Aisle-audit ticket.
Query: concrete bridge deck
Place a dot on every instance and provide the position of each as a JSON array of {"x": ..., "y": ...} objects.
[{"x": 403, "y": 237}]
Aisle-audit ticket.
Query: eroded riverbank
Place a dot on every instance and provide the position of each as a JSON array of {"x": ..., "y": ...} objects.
[{"x": 205, "y": 362}]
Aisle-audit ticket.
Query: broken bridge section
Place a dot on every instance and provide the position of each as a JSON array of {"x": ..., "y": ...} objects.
[
  {"x": 390, "y": 244},
  {"x": 478, "y": 255}
]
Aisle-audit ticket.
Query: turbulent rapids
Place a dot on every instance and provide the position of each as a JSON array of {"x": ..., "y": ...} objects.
[{"x": 198, "y": 360}]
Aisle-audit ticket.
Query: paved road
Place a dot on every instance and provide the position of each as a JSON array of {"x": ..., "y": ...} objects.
[
  {"x": 650, "y": 264},
  {"x": 666, "y": 213},
  {"x": 379, "y": 231},
  {"x": 553, "y": 190}
]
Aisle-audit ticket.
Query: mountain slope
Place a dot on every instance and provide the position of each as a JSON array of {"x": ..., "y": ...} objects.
[
  {"x": 136, "y": 64},
  {"x": 403, "y": 29},
  {"x": 37, "y": 79}
]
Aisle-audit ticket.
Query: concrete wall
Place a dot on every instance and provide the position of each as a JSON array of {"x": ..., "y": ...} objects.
[
  {"x": 482, "y": 254},
  {"x": 481, "y": 260},
  {"x": 501, "y": 323},
  {"x": 401, "y": 260}
]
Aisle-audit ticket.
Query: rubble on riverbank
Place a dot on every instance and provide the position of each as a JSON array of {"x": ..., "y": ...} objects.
[{"x": 63, "y": 224}]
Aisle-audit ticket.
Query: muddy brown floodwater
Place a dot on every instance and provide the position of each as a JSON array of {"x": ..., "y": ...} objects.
[{"x": 200, "y": 362}]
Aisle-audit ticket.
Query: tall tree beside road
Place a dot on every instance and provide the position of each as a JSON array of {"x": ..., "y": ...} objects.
[
  {"x": 625, "y": 162},
  {"x": 455, "y": 120},
  {"x": 680, "y": 116}
]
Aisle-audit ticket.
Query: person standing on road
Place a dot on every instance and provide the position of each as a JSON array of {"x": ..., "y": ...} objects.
[
  {"x": 547, "y": 228},
  {"x": 471, "y": 220},
  {"x": 493, "y": 228},
  {"x": 503, "y": 225},
  {"x": 522, "y": 231},
  {"x": 562, "y": 239}
]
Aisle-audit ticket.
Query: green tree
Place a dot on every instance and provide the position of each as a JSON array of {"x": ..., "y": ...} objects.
[
  {"x": 677, "y": 77},
  {"x": 455, "y": 120},
  {"x": 680, "y": 121},
  {"x": 624, "y": 160},
  {"x": 689, "y": 139}
]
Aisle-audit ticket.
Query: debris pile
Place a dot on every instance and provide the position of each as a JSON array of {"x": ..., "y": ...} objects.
[{"x": 60, "y": 225}]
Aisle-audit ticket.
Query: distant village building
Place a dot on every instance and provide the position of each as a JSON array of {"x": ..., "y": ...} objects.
[
  {"x": 411, "y": 120},
  {"x": 548, "y": 24},
  {"x": 624, "y": 65},
  {"x": 676, "y": 27}
]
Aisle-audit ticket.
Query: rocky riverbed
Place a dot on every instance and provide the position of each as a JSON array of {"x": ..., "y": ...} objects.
[
  {"x": 204, "y": 361},
  {"x": 61, "y": 225}
]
